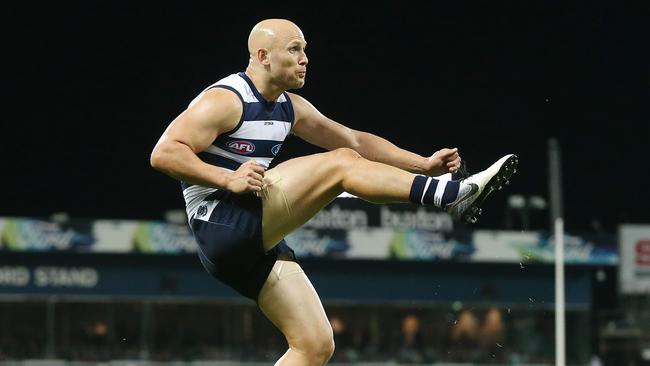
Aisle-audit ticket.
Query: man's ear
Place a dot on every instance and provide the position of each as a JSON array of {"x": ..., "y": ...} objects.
[{"x": 263, "y": 56}]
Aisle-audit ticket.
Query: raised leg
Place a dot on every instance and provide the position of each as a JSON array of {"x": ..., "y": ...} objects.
[{"x": 297, "y": 189}]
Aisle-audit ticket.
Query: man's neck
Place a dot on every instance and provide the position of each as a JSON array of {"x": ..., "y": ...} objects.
[{"x": 263, "y": 85}]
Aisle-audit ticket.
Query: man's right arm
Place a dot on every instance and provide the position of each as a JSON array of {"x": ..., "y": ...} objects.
[{"x": 215, "y": 112}]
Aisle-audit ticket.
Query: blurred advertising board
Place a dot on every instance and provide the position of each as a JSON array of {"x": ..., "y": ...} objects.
[
  {"x": 95, "y": 236},
  {"x": 461, "y": 246},
  {"x": 537, "y": 246},
  {"x": 347, "y": 228},
  {"x": 634, "y": 270}
]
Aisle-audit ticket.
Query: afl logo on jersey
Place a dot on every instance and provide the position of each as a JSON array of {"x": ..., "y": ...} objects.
[
  {"x": 275, "y": 149},
  {"x": 241, "y": 147}
]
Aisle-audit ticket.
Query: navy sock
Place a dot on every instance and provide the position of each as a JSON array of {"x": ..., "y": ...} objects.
[{"x": 431, "y": 191}]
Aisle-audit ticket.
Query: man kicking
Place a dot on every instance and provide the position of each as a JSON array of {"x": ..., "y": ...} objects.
[{"x": 221, "y": 146}]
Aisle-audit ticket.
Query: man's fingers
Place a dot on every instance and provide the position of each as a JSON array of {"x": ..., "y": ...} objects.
[
  {"x": 256, "y": 176},
  {"x": 454, "y": 165},
  {"x": 447, "y": 154},
  {"x": 255, "y": 166},
  {"x": 252, "y": 166},
  {"x": 255, "y": 184},
  {"x": 258, "y": 169},
  {"x": 454, "y": 162},
  {"x": 450, "y": 152}
]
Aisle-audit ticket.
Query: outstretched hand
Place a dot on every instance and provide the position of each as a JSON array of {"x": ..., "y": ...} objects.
[
  {"x": 247, "y": 178},
  {"x": 443, "y": 161}
]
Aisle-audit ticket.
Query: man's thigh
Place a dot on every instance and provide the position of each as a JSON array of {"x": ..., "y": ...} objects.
[
  {"x": 295, "y": 191},
  {"x": 289, "y": 300}
]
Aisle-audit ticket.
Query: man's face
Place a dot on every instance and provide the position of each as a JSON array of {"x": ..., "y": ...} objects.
[{"x": 289, "y": 62}]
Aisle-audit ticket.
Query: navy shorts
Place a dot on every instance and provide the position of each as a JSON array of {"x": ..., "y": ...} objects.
[{"x": 228, "y": 230}]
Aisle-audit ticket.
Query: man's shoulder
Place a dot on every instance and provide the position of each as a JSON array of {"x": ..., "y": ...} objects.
[
  {"x": 217, "y": 107},
  {"x": 224, "y": 98},
  {"x": 237, "y": 84}
]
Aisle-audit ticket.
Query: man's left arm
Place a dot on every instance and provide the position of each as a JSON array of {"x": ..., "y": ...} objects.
[{"x": 315, "y": 128}]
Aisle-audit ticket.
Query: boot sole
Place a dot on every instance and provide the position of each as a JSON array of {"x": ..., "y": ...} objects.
[{"x": 501, "y": 178}]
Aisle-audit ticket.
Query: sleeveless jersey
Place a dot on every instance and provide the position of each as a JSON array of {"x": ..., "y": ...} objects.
[{"x": 259, "y": 134}]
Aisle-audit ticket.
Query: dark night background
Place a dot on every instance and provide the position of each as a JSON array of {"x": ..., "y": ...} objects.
[{"x": 89, "y": 89}]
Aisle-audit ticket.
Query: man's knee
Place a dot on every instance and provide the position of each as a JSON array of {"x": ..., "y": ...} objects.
[
  {"x": 344, "y": 158},
  {"x": 345, "y": 153},
  {"x": 318, "y": 344}
]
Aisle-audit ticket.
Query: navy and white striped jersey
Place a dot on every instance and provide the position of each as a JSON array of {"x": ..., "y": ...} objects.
[{"x": 258, "y": 135}]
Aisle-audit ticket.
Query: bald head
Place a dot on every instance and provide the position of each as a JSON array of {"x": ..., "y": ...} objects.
[
  {"x": 271, "y": 33},
  {"x": 277, "y": 61}
]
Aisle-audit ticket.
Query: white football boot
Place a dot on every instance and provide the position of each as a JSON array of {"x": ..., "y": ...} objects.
[{"x": 475, "y": 188}]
